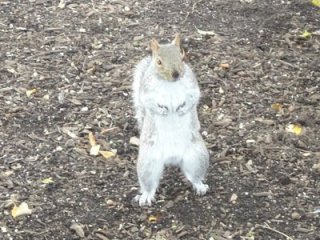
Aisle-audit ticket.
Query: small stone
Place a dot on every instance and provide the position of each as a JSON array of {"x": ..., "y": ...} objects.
[
  {"x": 110, "y": 202},
  {"x": 316, "y": 167},
  {"x": 134, "y": 141},
  {"x": 295, "y": 216},
  {"x": 233, "y": 198},
  {"x": 84, "y": 109},
  {"x": 169, "y": 204},
  {"x": 59, "y": 148}
]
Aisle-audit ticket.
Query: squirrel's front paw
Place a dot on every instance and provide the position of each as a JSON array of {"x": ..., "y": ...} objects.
[
  {"x": 181, "y": 109},
  {"x": 162, "y": 109}
]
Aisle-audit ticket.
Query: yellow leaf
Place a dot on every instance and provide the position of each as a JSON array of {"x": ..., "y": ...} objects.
[
  {"x": 316, "y": 3},
  {"x": 276, "y": 106},
  {"x": 31, "y": 91},
  {"x": 94, "y": 151},
  {"x": 107, "y": 154},
  {"x": 92, "y": 139},
  {"x": 22, "y": 209},
  {"x": 306, "y": 34},
  {"x": 154, "y": 218},
  {"x": 47, "y": 180},
  {"x": 295, "y": 128}
]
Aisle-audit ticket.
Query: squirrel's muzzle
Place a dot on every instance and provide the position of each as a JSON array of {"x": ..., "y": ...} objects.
[{"x": 175, "y": 75}]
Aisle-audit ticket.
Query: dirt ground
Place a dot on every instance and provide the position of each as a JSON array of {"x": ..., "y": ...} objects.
[{"x": 66, "y": 70}]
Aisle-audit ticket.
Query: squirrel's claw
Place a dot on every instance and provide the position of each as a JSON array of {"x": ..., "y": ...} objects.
[
  {"x": 163, "y": 110},
  {"x": 145, "y": 199}
]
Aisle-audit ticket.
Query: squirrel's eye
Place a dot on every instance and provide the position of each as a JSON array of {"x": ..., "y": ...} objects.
[{"x": 159, "y": 62}]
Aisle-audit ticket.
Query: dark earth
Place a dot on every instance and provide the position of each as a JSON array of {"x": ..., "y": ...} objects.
[{"x": 66, "y": 70}]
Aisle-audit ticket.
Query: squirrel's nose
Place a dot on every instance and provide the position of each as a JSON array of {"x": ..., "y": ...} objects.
[{"x": 175, "y": 74}]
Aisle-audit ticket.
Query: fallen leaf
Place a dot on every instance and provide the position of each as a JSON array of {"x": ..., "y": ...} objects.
[
  {"x": 78, "y": 229},
  {"x": 316, "y": 3},
  {"x": 205, "y": 33},
  {"x": 295, "y": 128},
  {"x": 154, "y": 218},
  {"x": 94, "y": 151},
  {"x": 22, "y": 209},
  {"x": 276, "y": 106},
  {"x": 31, "y": 91},
  {"x": 47, "y": 180},
  {"x": 107, "y": 154},
  {"x": 306, "y": 34},
  {"x": 92, "y": 139}
]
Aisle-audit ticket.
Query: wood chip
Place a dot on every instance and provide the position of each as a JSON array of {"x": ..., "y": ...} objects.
[{"x": 78, "y": 229}]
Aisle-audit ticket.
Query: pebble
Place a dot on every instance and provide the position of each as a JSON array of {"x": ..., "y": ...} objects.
[
  {"x": 109, "y": 202},
  {"x": 295, "y": 216}
]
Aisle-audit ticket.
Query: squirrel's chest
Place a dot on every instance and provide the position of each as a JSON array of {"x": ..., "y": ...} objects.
[{"x": 171, "y": 95}]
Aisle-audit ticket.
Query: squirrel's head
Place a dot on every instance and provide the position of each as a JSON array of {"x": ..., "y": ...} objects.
[{"x": 168, "y": 59}]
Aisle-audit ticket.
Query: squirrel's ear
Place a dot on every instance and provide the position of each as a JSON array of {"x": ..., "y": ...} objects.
[
  {"x": 154, "y": 45},
  {"x": 176, "y": 40}
]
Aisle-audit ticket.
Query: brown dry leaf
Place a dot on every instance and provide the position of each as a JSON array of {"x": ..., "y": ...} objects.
[
  {"x": 277, "y": 106},
  {"x": 92, "y": 139},
  {"x": 31, "y": 91},
  {"x": 22, "y": 209},
  {"x": 295, "y": 128},
  {"x": 107, "y": 154},
  {"x": 94, "y": 150}
]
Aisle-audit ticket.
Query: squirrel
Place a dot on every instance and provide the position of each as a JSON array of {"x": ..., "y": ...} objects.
[{"x": 165, "y": 97}]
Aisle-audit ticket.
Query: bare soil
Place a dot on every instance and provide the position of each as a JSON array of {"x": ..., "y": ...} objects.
[{"x": 75, "y": 60}]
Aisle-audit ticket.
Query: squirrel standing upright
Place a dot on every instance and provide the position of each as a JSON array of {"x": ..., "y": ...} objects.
[{"x": 166, "y": 95}]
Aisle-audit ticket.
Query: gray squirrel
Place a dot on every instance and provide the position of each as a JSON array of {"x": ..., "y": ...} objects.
[{"x": 165, "y": 96}]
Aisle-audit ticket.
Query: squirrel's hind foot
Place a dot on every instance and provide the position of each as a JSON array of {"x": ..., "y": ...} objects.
[
  {"x": 145, "y": 199},
  {"x": 201, "y": 189}
]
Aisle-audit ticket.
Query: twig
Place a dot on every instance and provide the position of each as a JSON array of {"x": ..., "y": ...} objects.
[
  {"x": 195, "y": 4},
  {"x": 266, "y": 226},
  {"x": 192, "y": 10},
  {"x": 288, "y": 64}
]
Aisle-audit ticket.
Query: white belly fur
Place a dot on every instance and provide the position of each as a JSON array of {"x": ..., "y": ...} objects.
[{"x": 173, "y": 137}]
